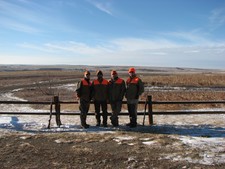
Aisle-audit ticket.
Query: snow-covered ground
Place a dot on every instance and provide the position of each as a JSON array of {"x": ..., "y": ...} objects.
[{"x": 205, "y": 132}]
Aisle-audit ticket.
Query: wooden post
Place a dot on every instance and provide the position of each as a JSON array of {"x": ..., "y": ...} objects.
[
  {"x": 50, "y": 115},
  {"x": 150, "y": 114},
  {"x": 57, "y": 111}
]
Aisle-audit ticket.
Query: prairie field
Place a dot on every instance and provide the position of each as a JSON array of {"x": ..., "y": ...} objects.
[
  {"x": 167, "y": 85},
  {"x": 194, "y": 141}
]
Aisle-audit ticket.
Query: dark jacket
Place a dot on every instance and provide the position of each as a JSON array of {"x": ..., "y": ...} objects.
[
  {"x": 135, "y": 88},
  {"x": 117, "y": 89},
  {"x": 84, "y": 90},
  {"x": 100, "y": 90}
]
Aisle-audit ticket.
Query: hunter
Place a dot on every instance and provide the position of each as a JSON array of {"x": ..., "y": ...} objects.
[
  {"x": 100, "y": 98},
  {"x": 135, "y": 88},
  {"x": 117, "y": 90},
  {"x": 84, "y": 94}
]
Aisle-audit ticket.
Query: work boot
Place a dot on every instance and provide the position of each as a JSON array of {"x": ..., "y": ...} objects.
[
  {"x": 85, "y": 126},
  {"x": 82, "y": 120},
  {"x": 133, "y": 122},
  {"x": 85, "y": 118},
  {"x": 105, "y": 125},
  {"x": 133, "y": 125},
  {"x": 116, "y": 124},
  {"x": 112, "y": 120},
  {"x": 98, "y": 121},
  {"x": 105, "y": 117},
  {"x": 128, "y": 124}
]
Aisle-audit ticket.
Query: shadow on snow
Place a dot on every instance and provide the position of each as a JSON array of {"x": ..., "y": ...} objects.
[{"x": 186, "y": 130}]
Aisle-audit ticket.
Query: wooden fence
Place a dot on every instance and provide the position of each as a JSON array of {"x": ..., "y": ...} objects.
[{"x": 56, "y": 103}]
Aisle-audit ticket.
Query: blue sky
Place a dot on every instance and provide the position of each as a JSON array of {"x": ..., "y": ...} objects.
[{"x": 164, "y": 33}]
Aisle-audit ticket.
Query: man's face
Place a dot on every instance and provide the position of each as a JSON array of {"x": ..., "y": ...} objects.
[
  {"x": 99, "y": 75},
  {"x": 114, "y": 75},
  {"x": 131, "y": 74},
  {"x": 87, "y": 76}
]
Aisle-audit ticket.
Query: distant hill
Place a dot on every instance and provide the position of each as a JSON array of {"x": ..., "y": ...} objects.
[{"x": 143, "y": 69}]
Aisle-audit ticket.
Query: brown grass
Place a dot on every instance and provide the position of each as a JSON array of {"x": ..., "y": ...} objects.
[
  {"x": 33, "y": 90},
  {"x": 200, "y": 79}
]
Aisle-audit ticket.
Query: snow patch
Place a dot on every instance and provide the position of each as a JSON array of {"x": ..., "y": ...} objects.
[
  {"x": 124, "y": 138},
  {"x": 149, "y": 142},
  {"x": 211, "y": 150},
  {"x": 10, "y": 97}
]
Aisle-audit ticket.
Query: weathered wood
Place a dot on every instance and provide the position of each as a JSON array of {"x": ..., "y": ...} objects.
[
  {"x": 57, "y": 103},
  {"x": 186, "y": 112},
  {"x": 189, "y": 102},
  {"x": 150, "y": 112},
  {"x": 57, "y": 110}
]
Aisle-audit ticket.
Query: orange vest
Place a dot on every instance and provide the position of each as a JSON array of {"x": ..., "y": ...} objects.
[
  {"x": 119, "y": 81},
  {"x": 85, "y": 83},
  {"x": 134, "y": 80},
  {"x": 104, "y": 82}
]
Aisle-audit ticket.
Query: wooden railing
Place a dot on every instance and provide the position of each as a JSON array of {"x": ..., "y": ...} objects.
[{"x": 148, "y": 108}]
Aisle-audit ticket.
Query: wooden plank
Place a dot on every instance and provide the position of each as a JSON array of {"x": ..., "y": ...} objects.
[
  {"x": 186, "y": 112},
  {"x": 189, "y": 102}
]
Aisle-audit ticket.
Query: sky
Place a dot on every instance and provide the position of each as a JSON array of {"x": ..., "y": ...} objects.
[{"x": 161, "y": 33}]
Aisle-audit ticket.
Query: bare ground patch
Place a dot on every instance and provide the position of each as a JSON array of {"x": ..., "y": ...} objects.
[{"x": 93, "y": 150}]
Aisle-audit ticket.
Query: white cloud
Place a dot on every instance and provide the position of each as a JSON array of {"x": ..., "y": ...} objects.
[
  {"x": 133, "y": 44},
  {"x": 18, "y": 26},
  {"x": 133, "y": 51},
  {"x": 25, "y": 16},
  {"x": 34, "y": 47},
  {"x": 194, "y": 37},
  {"x": 17, "y": 17},
  {"x": 192, "y": 51},
  {"x": 217, "y": 18},
  {"x": 104, "y": 6}
]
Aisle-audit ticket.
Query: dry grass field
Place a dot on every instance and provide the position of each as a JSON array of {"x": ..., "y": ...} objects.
[
  {"x": 143, "y": 147},
  {"x": 185, "y": 85}
]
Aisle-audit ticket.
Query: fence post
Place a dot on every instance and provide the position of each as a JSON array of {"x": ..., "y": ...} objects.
[
  {"x": 57, "y": 110},
  {"x": 150, "y": 114},
  {"x": 50, "y": 114}
]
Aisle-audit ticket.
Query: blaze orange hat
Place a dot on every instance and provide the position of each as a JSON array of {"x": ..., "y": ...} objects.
[
  {"x": 131, "y": 70},
  {"x": 113, "y": 72}
]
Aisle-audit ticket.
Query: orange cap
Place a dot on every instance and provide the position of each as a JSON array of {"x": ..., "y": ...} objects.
[
  {"x": 131, "y": 70},
  {"x": 113, "y": 72}
]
